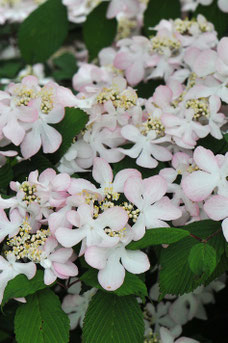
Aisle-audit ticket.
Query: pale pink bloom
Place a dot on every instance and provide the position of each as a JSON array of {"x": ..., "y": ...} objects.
[
  {"x": 223, "y": 5},
  {"x": 75, "y": 305},
  {"x": 57, "y": 262},
  {"x": 191, "y": 5},
  {"x": 9, "y": 227},
  {"x": 146, "y": 148},
  {"x": 179, "y": 197},
  {"x": 134, "y": 57},
  {"x": 16, "y": 11},
  {"x": 89, "y": 77},
  {"x": 185, "y": 131},
  {"x": 51, "y": 187},
  {"x": 167, "y": 337},
  {"x": 42, "y": 134},
  {"x": 90, "y": 230},
  {"x": 104, "y": 142},
  {"x": 10, "y": 269},
  {"x": 78, "y": 158},
  {"x": 13, "y": 118},
  {"x": 129, "y": 7},
  {"x": 49, "y": 190},
  {"x": 212, "y": 175},
  {"x": 111, "y": 272},
  {"x": 103, "y": 175},
  {"x": 216, "y": 208},
  {"x": 148, "y": 196},
  {"x": 202, "y": 63},
  {"x": 78, "y": 9}
]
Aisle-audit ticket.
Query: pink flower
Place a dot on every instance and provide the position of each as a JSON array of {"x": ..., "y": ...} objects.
[
  {"x": 92, "y": 231},
  {"x": 57, "y": 262},
  {"x": 9, "y": 227},
  {"x": 216, "y": 208},
  {"x": 213, "y": 172},
  {"x": 111, "y": 272},
  {"x": 148, "y": 196},
  {"x": 10, "y": 269},
  {"x": 146, "y": 145},
  {"x": 42, "y": 134}
]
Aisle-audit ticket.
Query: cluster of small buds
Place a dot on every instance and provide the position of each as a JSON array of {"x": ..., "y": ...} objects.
[
  {"x": 200, "y": 107},
  {"x": 188, "y": 27},
  {"x": 113, "y": 233},
  {"x": 47, "y": 100},
  {"x": 131, "y": 210},
  {"x": 125, "y": 100},
  {"x": 27, "y": 245},
  {"x": 110, "y": 194},
  {"x": 161, "y": 44},
  {"x": 125, "y": 27},
  {"x": 153, "y": 124},
  {"x": 30, "y": 192},
  {"x": 24, "y": 95}
]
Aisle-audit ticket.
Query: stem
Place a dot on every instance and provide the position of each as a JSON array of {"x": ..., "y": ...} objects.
[
  {"x": 205, "y": 240},
  {"x": 196, "y": 237}
]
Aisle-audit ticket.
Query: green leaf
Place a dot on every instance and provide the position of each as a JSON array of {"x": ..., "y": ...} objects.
[
  {"x": 73, "y": 122},
  {"x": 20, "y": 286},
  {"x": 6, "y": 175},
  {"x": 66, "y": 67},
  {"x": 41, "y": 320},
  {"x": 43, "y": 32},
  {"x": 202, "y": 259},
  {"x": 132, "y": 284},
  {"x": 175, "y": 276},
  {"x": 113, "y": 319},
  {"x": 10, "y": 69},
  {"x": 214, "y": 15},
  {"x": 98, "y": 31},
  {"x": 164, "y": 235},
  {"x": 146, "y": 89},
  {"x": 158, "y": 10},
  {"x": 218, "y": 146}
]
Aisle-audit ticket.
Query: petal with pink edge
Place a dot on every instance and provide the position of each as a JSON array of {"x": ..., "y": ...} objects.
[
  {"x": 205, "y": 160},
  {"x": 154, "y": 188},
  {"x": 102, "y": 172},
  {"x": 136, "y": 262},
  {"x": 198, "y": 185},
  {"x": 121, "y": 178},
  {"x": 115, "y": 218},
  {"x": 96, "y": 257},
  {"x": 49, "y": 277},
  {"x": 217, "y": 207},
  {"x": 112, "y": 276},
  {"x": 68, "y": 238},
  {"x": 66, "y": 269},
  {"x": 133, "y": 190}
]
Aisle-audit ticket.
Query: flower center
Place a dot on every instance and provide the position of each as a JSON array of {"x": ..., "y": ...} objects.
[
  {"x": 161, "y": 44},
  {"x": 30, "y": 192},
  {"x": 24, "y": 95},
  {"x": 125, "y": 100},
  {"x": 200, "y": 107},
  {"x": 47, "y": 100},
  {"x": 27, "y": 245},
  {"x": 153, "y": 124}
]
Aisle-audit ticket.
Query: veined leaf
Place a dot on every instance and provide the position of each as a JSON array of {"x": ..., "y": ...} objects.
[
  {"x": 113, "y": 319},
  {"x": 41, "y": 320}
]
